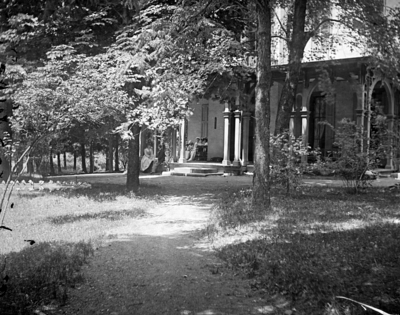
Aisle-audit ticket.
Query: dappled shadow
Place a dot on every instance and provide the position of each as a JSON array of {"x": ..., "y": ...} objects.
[
  {"x": 160, "y": 275},
  {"x": 109, "y": 192},
  {"x": 311, "y": 268},
  {"x": 107, "y": 215}
]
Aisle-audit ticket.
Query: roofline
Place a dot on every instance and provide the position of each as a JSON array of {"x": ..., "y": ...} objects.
[{"x": 332, "y": 62}]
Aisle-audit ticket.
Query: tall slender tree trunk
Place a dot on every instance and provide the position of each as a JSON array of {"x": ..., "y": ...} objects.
[
  {"x": 65, "y": 160},
  {"x": 75, "y": 157},
  {"x": 52, "y": 172},
  {"x": 116, "y": 153},
  {"x": 296, "y": 45},
  {"x": 30, "y": 166},
  {"x": 132, "y": 178},
  {"x": 261, "y": 184},
  {"x": 91, "y": 158},
  {"x": 58, "y": 162},
  {"x": 83, "y": 156},
  {"x": 110, "y": 152}
]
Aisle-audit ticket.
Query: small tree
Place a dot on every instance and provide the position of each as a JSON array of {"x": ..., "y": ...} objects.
[{"x": 352, "y": 164}]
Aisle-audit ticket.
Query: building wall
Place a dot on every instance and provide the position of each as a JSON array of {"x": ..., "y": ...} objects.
[
  {"x": 345, "y": 100},
  {"x": 215, "y": 126},
  {"x": 215, "y": 131}
]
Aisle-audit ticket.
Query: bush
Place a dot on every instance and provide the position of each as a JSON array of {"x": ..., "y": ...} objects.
[
  {"x": 286, "y": 161},
  {"x": 357, "y": 155},
  {"x": 41, "y": 275}
]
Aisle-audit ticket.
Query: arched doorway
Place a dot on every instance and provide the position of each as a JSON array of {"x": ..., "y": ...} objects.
[
  {"x": 322, "y": 114},
  {"x": 380, "y": 108}
]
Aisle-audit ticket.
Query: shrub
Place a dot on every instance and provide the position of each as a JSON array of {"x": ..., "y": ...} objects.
[
  {"x": 41, "y": 275},
  {"x": 286, "y": 161},
  {"x": 357, "y": 155}
]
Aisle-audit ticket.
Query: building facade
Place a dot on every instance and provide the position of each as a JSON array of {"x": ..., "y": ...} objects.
[{"x": 229, "y": 126}]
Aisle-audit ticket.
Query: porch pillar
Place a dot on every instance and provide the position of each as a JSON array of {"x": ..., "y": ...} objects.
[
  {"x": 140, "y": 144},
  {"x": 155, "y": 144},
  {"x": 173, "y": 149},
  {"x": 182, "y": 140},
  {"x": 304, "y": 131},
  {"x": 245, "y": 146},
  {"x": 236, "y": 161},
  {"x": 291, "y": 125},
  {"x": 227, "y": 115}
]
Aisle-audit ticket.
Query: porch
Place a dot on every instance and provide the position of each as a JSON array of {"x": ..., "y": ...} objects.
[{"x": 203, "y": 169}]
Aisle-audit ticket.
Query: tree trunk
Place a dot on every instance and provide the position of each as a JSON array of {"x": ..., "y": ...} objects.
[
  {"x": 110, "y": 152},
  {"x": 261, "y": 185},
  {"x": 65, "y": 160},
  {"x": 116, "y": 153},
  {"x": 83, "y": 156},
  {"x": 52, "y": 172},
  {"x": 75, "y": 155},
  {"x": 107, "y": 159},
  {"x": 296, "y": 46},
  {"x": 30, "y": 166},
  {"x": 91, "y": 158},
  {"x": 58, "y": 162},
  {"x": 132, "y": 178}
]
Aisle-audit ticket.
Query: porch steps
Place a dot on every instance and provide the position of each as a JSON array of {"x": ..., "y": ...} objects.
[
  {"x": 200, "y": 172},
  {"x": 386, "y": 172}
]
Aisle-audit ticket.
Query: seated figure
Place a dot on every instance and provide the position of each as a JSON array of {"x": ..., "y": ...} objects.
[{"x": 147, "y": 160}]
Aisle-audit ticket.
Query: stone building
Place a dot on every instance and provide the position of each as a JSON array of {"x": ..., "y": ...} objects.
[{"x": 229, "y": 127}]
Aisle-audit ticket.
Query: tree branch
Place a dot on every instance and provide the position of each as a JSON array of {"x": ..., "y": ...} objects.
[
  {"x": 280, "y": 23},
  {"x": 281, "y": 37},
  {"x": 314, "y": 31}
]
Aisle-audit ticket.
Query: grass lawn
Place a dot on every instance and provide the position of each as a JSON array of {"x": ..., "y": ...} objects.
[
  {"x": 65, "y": 226},
  {"x": 70, "y": 215},
  {"x": 315, "y": 245}
]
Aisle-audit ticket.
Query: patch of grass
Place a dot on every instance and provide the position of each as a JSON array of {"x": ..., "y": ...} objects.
[
  {"x": 110, "y": 192},
  {"x": 69, "y": 216},
  {"x": 41, "y": 275},
  {"x": 107, "y": 215},
  {"x": 320, "y": 243},
  {"x": 234, "y": 209}
]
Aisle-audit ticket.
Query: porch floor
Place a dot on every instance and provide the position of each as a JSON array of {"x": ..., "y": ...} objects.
[{"x": 204, "y": 168}]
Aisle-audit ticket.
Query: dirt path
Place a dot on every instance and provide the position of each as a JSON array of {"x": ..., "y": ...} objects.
[{"x": 158, "y": 265}]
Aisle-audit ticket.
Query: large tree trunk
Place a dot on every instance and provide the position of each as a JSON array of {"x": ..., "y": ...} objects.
[
  {"x": 132, "y": 178},
  {"x": 261, "y": 185},
  {"x": 296, "y": 47},
  {"x": 91, "y": 158},
  {"x": 83, "y": 157},
  {"x": 116, "y": 153}
]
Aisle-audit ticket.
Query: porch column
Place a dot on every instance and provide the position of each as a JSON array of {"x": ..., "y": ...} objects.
[
  {"x": 236, "y": 161},
  {"x": 173, "y": 149},
  {"x": 304, "y": 131},
  {"x": 155, "y": 144},
  {"x": 182, "y": 144},
  {"x": 245, "y": 146},
  {"x": 140, "y": 144},
  {"x": 291, "y": 125},
  {"x": 227, "y": 115}
]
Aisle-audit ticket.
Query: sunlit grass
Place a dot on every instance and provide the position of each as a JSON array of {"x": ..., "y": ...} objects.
[{"x": 71, "y": 216}]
